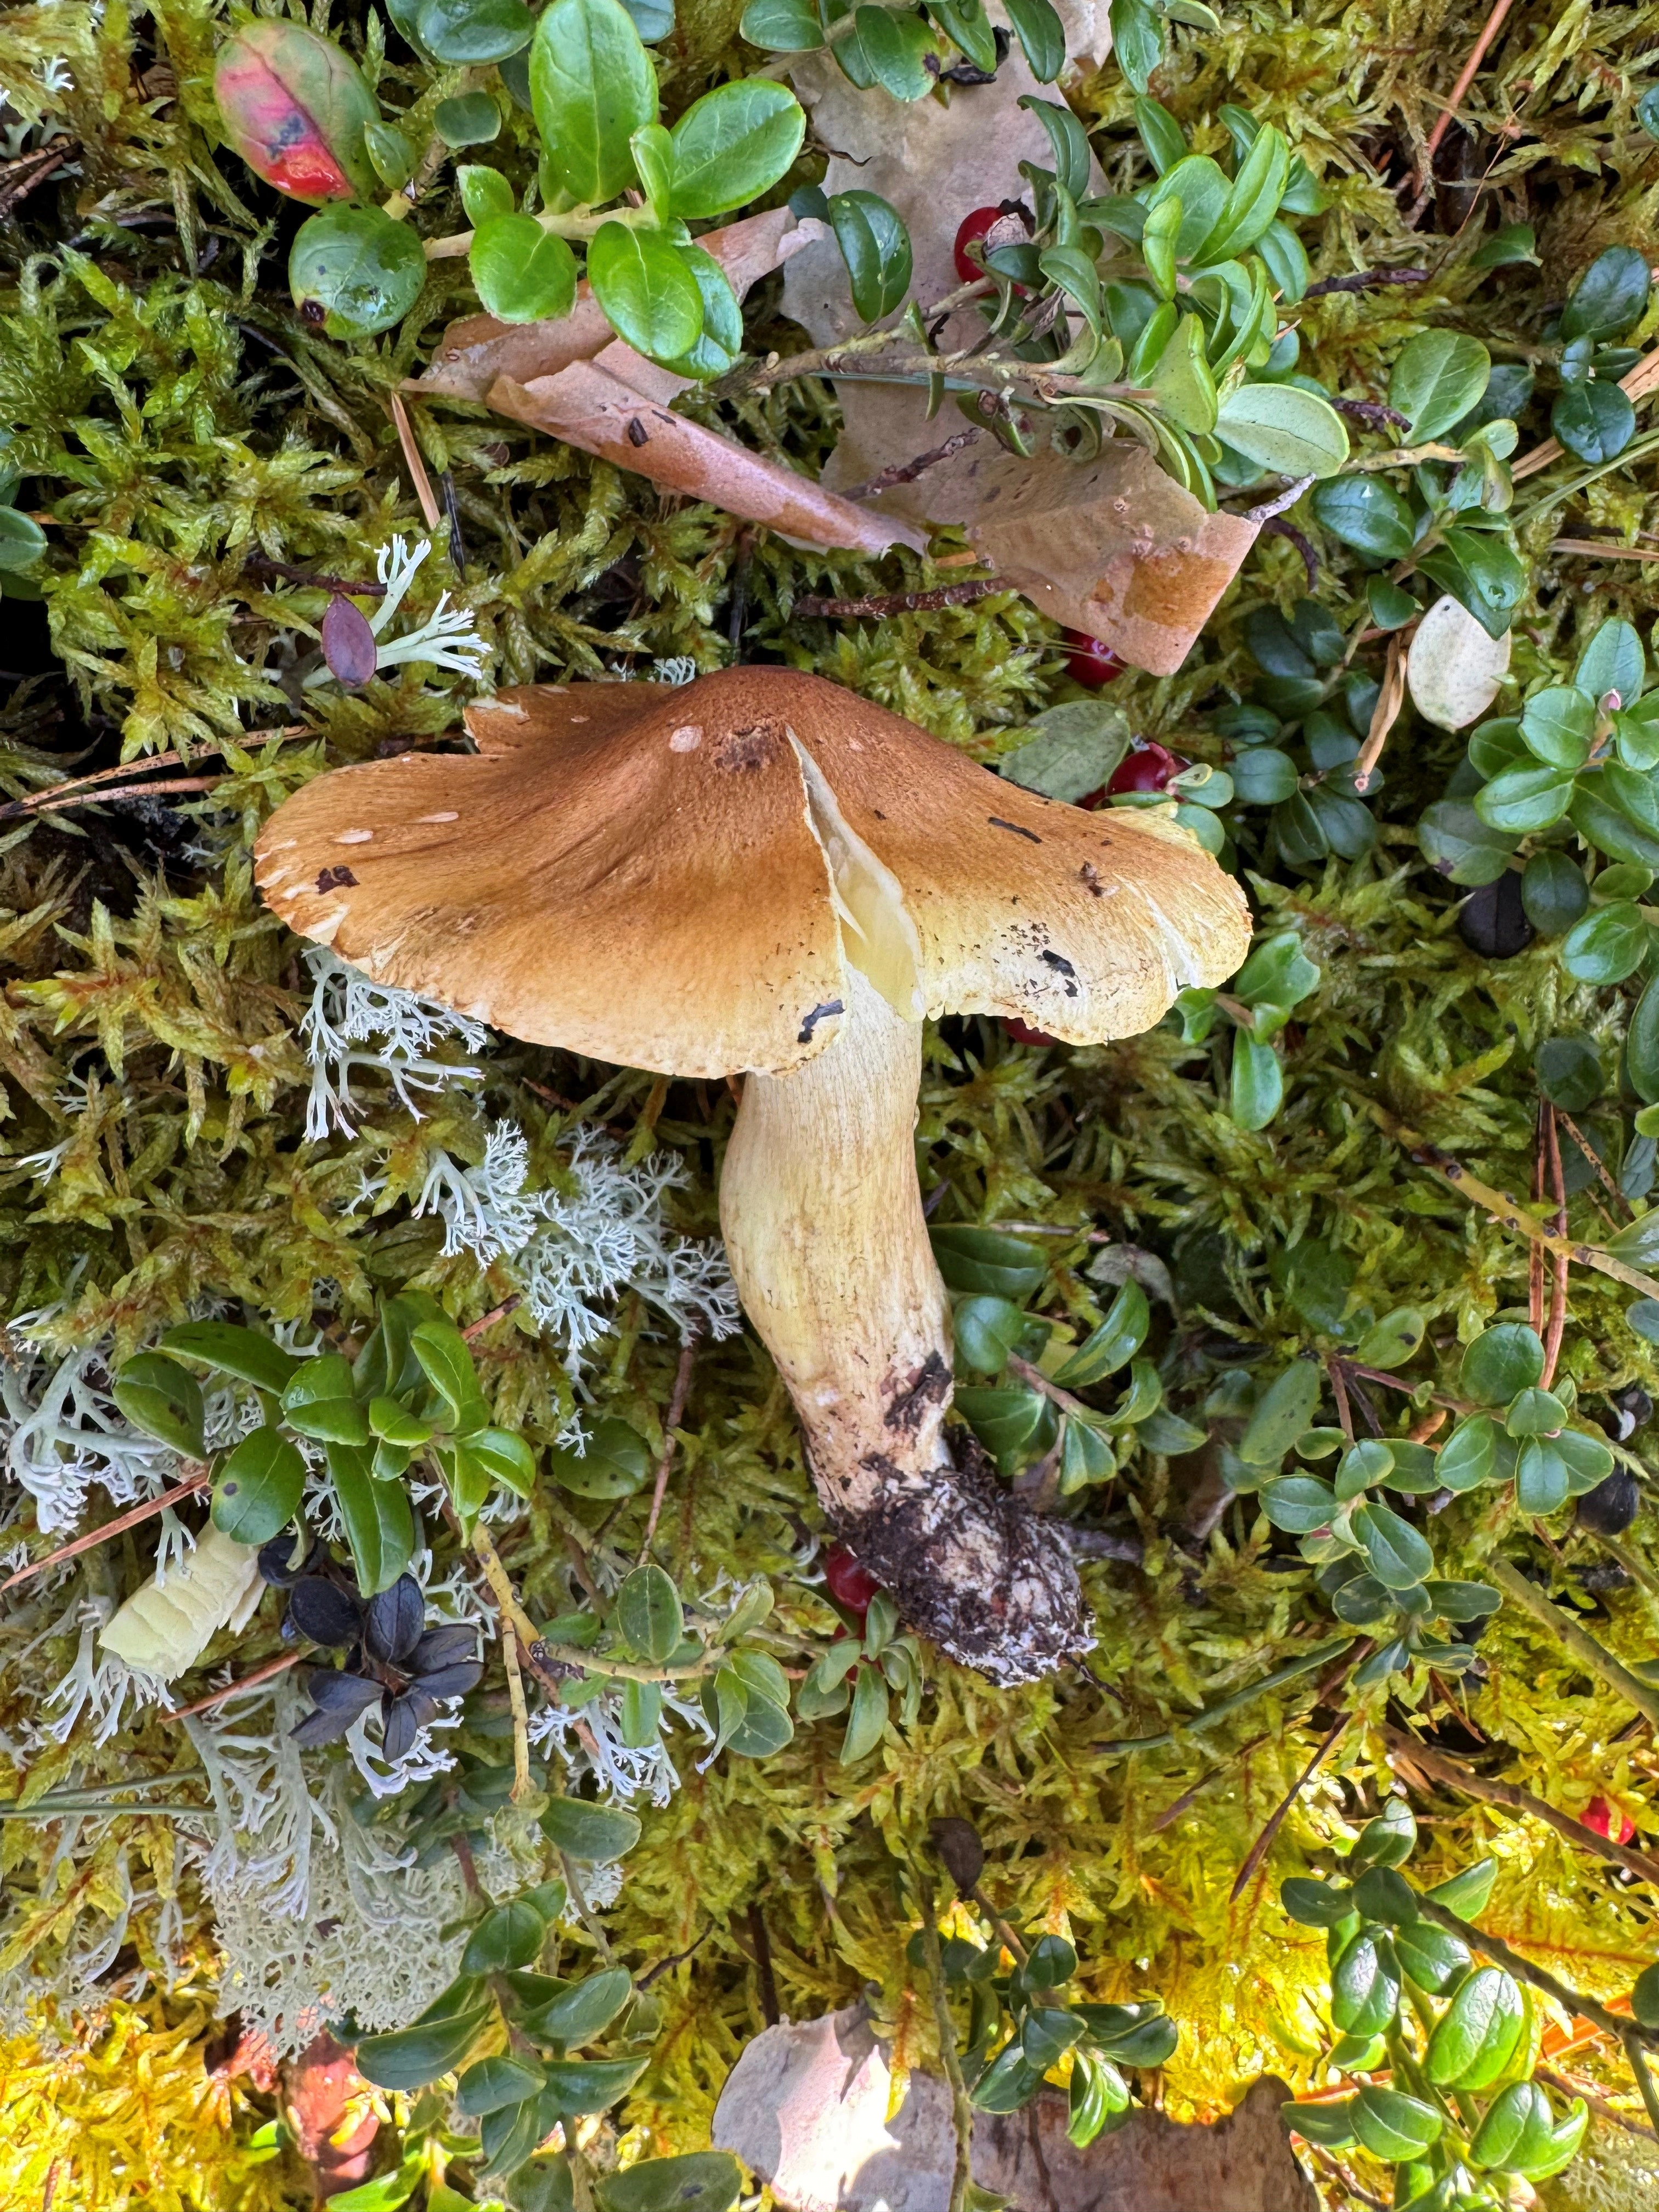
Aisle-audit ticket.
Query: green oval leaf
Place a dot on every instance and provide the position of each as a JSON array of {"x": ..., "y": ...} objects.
[
  {"x": 523, "y": 274},
  {"x": 461, "y": 31},
  {"x": 1367, "y": 513},
  {"x": 593, "y": 1835},
  {"x": 585, "y": 2010},
  {"x": 354, "y": 271},
  {"x": 876, "y": 247},
  {"x": 988, "y": 1260},
  {"x": 234, "y": 1351},
  {"x": 616, "y": 1462},
  {"x": 257, "y": 1486},
  {"x": 649, "y": 1614},
  {"x": 162, "y": 1399},
  {"x": 733, "y": 145},
  {"x": 1475, "y": 2037},
  {"x": 1280, "y": 426},
  {"x": 695, "y": 2181},
  {"x": 1437, "y": 377},
  {"x": 591, "y": 87},
  {"x": 648, "y": 294}
]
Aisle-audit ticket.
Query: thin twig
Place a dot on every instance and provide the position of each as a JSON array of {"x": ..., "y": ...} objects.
[
  {"x": 543, "y": 1657},
  {"x": 1278, "y": 503},
  {"x": 56, "y": 797},
  {"x": 1603, "y": 1172},
  {"x": 1570, "y": 2087},
  {"x": 1173, "y": 1811},
  {"x": 1639, "y": 2067},
  {"x": 1276, "y": 527},
  {"x": 1593, "y": 549},
  {"x": 1334, "y": 2166},
  {"x": 882, "y": 603},
  {"x": 961, "y": 2112},
  {"x": 423, "y": 491},
  {"x": 1503, "y": 1209},
  {"x": 1264, "y": 1843},
  {"x": 765, "y": 1979},
  {"x": 488, "y": 1321},
  {"x": 585, "y": 1912},
  {"x": 1339, "y": 1392},
  {"x": 523, "y": 1786},
  {"x": 665, "y": 1965},
  {"x": 1535, "y": 1258},
  {"x": 118, "y": 1527},
  {"x": 266, "y": 1674},
  {"x": 1440, "y": 1766},
  {"x": 1620, "y": 2025},
  {"x": 904, "y": 472},
  {"x": 1374, "y": 413},
  {"x": 681, "y": 1392},
  {"x": 1558, "y": 1288},
  {"x": 44, "y": 802},
  {"x": 1039, "y": 1382},
  {"x": 1192, "y": 1723},
  {"x": 1584, "y": 1647},
  {"x": 1494, "y": 23},
  {"x": 1365, "y": 280}
]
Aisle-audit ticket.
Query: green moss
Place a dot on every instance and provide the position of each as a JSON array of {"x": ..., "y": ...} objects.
[{"x": 180, "y": 426}]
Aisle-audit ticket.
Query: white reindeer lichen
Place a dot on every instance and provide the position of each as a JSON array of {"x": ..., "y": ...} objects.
[{"x": 353, "y": 1022}]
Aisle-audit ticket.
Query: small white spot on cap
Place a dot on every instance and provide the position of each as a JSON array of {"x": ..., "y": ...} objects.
[
  {"x": 686, "y": 739},
  {"x": 582, "y": 718},
  {"x": 512, "y": 706},
  {"x": 281, "y": 844},
  {"x": 354, "y": 838},
  {"x": 447, "y": 814}
]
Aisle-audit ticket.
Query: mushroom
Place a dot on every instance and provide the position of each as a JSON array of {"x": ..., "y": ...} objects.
[{"x": 760, "y": 873}]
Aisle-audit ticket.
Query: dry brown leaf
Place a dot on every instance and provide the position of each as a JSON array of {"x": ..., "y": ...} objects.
[
  {"x": 478, "y": 350},
  {"x": 589, "y": 408},
  {"x": 1114, "y": 547},
  {"x": 805, "y": 2107}
]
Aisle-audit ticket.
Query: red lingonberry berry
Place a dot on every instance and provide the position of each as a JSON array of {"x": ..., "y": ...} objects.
[
  {"x": 1023, "y": 1033},
  {"x": 1088, "y": 662},
  {"x": 1145, "y": 766},
  {"x": 970, "y": 231},
  {"x": 850, "y": 1585},
  {"x": 1609, "y": 1820}
]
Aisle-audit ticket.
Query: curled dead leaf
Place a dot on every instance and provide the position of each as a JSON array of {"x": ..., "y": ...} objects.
[{"x": 589, "y": 408}]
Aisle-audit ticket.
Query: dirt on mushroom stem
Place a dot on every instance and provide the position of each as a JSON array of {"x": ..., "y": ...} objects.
[{"x": 823, "y": 1227}]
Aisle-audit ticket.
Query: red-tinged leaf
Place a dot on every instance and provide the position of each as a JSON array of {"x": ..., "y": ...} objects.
[
  {"x": 348, "y": 644},
  {"x": 294, "y": 107}
]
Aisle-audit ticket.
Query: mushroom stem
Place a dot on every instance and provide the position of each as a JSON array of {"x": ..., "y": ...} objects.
[{"x": 828, "y": 1243}]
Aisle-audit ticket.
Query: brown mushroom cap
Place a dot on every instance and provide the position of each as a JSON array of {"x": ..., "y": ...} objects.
[
  {"x": 674, "y": 878},
  {"x": 621, "y": 873}
]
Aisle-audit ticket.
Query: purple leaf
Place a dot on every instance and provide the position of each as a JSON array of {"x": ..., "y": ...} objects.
[
  {"x": 453, "y": 1681},
  {"x": 393, "y": 1622},
  {"x": 348, "y": 644},
  {"x": 323, "y": 1611},
  {"x": 442, "y": 1647},
  {"x": 409, "y": 1716}
]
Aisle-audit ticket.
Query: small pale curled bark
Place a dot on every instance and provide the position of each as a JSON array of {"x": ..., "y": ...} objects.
[
  {"x": 806, "y": 2108},
  {"x": 590, "y": 409}
]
